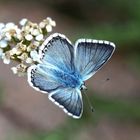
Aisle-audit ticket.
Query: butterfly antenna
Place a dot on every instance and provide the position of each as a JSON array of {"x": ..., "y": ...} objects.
[{"x": 89, "y": 102}]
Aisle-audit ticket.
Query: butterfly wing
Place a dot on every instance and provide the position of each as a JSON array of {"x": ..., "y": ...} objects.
[
  {"x": 69, "y": 99},
  {"x": 91, "y": 55},
  {"x": 58, "y": 51},
  {"x": 55, "y": 57},
  {"x": 41, "y": 78}
]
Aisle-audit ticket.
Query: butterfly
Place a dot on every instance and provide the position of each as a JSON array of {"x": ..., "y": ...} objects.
[{"x": 64, "y": 68}]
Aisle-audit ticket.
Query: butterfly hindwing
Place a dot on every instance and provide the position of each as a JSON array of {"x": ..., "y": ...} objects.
[
  {"x": 70, "y": 100},
  {"x": 91, "y": 55},
  {"x": 41, "y": 78}
]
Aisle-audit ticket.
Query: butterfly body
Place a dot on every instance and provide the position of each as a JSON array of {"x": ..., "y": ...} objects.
[
  {"x": 63, "y": 69},
  {"x": 69, "y": 78}
]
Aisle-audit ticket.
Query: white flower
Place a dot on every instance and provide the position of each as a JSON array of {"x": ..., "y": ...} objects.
[
  {"x": 20, "y": 48},
  {"x": 23, "y": 57},
  {"x": 10, "y": 25},
  {"x": 11, "y": 30},
  {"x": 47, "y": 23},
  {"x": 2, "y": 26},
  {"x": 19, "y": 36},
  {"x": 13, "y": 51},
  {"x": 31, "y": 47},
  {"x": 23, "y": 21},
  {"x": 51, "y": 22},
  {"x": 35, "y": 56},
  {"x": 39, "y": 37},
  {"x": 16, "y": 51},
  {"x": 35, "y": 32},
  {"x": 3, "y": 43},
  {"x": 20, "y": 44},
  {"x": 26, "y": 28},
  {"x": 29, "y": 37},
  {"x": 29, "y": 60},
  {"x": 14, "y": 70},
  {"x": 6, "y": 61},
  {"x": 36, "y": 43},
  {"x": 19, "y": 69},
  {"x": 42, "y": 24},
  {"x": 1, "y": 52},
  {"x": 48, "y": 28},
  {"x": 6, "y": 58},
  {"x": 8, "y": 36},
  {"x": 18, "y": 33}
]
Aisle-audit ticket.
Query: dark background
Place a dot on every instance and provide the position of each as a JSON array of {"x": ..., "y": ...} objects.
[{"x": 26, "y": 114}]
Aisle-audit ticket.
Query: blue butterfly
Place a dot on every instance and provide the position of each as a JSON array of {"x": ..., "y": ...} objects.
[{"x": 64, "y": 68}]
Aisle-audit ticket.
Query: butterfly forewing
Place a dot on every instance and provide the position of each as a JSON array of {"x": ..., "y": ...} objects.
[
  {"x": 58, "y": 51},
  {"x": 91, "y": 55}
]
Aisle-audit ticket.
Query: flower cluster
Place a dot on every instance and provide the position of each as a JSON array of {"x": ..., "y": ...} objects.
[{"x": 20, "y": 44}]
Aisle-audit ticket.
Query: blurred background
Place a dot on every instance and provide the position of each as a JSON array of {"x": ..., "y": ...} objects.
[{"x": 114, "y": 91}]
